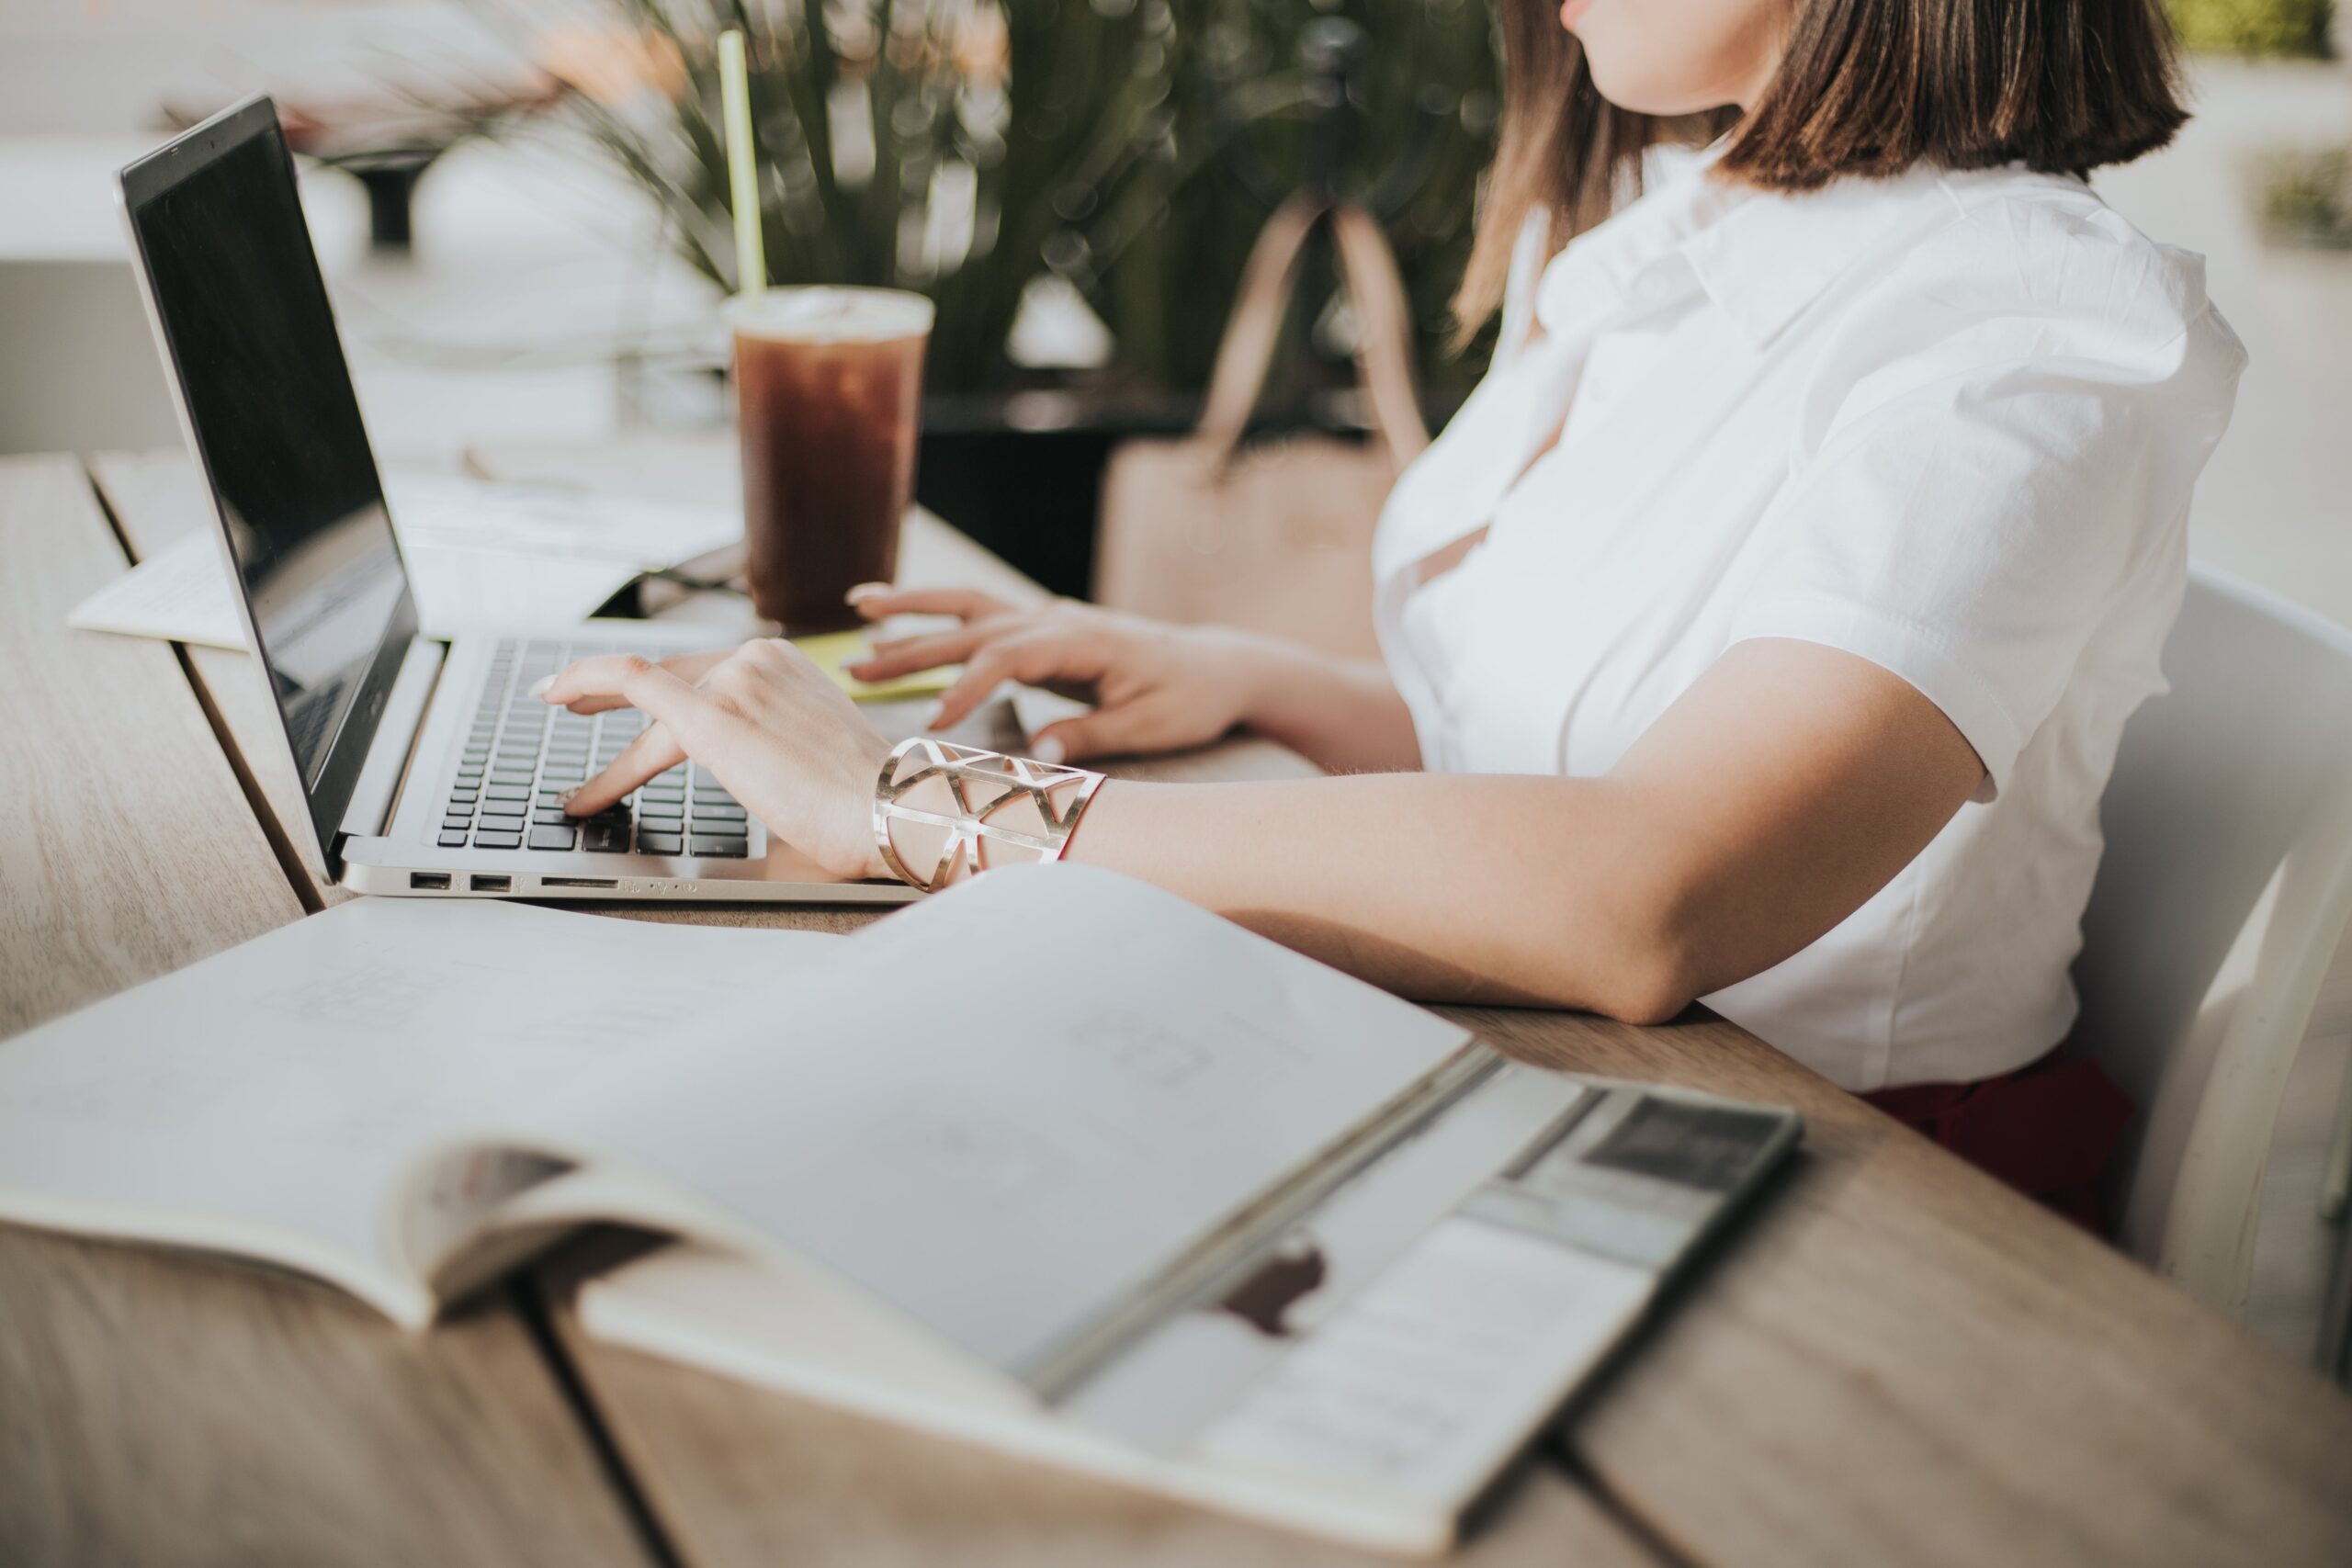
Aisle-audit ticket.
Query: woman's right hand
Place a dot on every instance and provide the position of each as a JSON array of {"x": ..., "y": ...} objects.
[{"x": 1156, "y": 687}]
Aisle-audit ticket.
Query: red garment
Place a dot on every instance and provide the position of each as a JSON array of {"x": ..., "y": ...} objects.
[{"x": 2048, "y": 1129}]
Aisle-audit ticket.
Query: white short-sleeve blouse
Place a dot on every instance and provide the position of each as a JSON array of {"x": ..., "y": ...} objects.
[{"x": 1947, "y": 422}]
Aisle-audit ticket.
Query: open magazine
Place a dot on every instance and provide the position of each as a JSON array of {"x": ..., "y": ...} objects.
[{"x": 1054, "y": 1161}]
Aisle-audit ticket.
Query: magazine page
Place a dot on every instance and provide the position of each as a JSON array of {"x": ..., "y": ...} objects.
[
  {"x": 1004, "y": 1111},
  {"x": 265, "y": 1101}
]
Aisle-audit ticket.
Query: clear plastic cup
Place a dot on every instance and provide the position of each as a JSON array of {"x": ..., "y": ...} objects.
[{"x": 829, "y": 405}]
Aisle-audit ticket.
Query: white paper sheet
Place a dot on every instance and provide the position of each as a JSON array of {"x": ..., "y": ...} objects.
[
  {"x": 478, "y": 555},
  {"x": 267, "y": 1097}
]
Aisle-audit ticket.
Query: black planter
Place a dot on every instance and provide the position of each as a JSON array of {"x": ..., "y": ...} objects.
[{"x": 1022, "y": 474}]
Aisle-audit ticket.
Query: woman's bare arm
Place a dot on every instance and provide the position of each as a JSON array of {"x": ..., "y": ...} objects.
[
  {"x": 1781, "y": 792},
  {"x": 1344, "y": 715}
]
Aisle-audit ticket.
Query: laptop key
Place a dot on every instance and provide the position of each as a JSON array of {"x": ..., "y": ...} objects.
[
  {"x": 710, "y": 811},
  {"x": 651, "y": 843},
  {"x": 552, "y": 838},
  {"x": 453, "y": 837},
  {"x": 724, "y": 848},
  {"x": 720, "y": 830},
  {"x": 504, "y": 810},
  {"x": 458, "y": 819},
  {"x": 488, "y": 838},
  {"x": 605, "y": 838}
]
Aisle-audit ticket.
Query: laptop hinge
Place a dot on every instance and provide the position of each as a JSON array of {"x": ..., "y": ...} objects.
[{"x": 377, "y": 791}]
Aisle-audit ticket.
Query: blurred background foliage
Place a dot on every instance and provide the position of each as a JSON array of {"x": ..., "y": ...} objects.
[
  {"x": 2297, "y": 28},
  {"x": 1129, "y": 148}
]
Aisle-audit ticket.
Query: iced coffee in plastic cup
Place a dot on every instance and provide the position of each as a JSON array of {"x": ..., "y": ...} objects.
[{"x": 828, "y": 400}]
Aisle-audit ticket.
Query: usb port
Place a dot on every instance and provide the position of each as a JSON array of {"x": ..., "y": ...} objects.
[
  {"x": 491, "y": 884},
  {"x": 429, "y": 881},
  {"x": 578, "y": 881}
]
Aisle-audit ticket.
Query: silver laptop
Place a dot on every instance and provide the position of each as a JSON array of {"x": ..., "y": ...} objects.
[{"x": 427, "y": 766}]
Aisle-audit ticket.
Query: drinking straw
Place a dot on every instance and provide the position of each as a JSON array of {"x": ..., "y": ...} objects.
[{"x": 742, "y": 175}]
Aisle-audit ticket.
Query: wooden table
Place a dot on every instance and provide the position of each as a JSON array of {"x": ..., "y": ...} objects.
[{"x": 1899, "y": 1361}]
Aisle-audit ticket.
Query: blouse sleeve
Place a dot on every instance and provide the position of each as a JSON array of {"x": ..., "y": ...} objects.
[{"x": 1976, "y": 485}]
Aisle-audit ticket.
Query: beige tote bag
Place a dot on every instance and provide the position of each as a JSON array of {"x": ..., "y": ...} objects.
[{"x": 1274, "y": 536}]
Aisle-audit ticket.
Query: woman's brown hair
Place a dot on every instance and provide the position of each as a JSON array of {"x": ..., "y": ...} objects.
[{"x": 1865, "y": 87}]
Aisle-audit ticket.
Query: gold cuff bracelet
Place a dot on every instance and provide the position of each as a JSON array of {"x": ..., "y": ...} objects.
[{"x": 980, "y": 784}]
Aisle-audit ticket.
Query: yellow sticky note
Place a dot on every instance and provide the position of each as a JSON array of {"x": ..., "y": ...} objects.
[{"x": 833, "y": 650}]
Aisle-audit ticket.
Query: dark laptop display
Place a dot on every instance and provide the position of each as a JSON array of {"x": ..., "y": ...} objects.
[{"x": 241, "y": 306}]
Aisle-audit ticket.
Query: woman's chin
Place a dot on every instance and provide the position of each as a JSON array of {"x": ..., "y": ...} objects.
[
  {"x": 1635, "y": 96},
  {"x": 1642, "y": 94}
]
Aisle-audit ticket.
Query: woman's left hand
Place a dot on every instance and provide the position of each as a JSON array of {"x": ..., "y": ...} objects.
[{"x": 767, "y": 724}]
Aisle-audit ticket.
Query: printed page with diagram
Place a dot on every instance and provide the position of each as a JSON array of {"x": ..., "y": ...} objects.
[{"x": 1005, "y": 1112}]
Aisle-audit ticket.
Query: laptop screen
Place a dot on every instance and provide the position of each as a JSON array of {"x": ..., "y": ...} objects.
[{"x": 244, "y": 317}]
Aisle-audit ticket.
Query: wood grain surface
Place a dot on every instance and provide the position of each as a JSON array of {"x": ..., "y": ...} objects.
[
  {"x": 156, "y": 501},
  {"x": 159, "y": 1407},
  {"x": 173, "y": 1408},
  {"x": 99, "y": 896}
]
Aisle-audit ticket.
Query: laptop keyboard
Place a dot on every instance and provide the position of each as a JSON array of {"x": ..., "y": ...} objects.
[{"x": 521, "y": 755}]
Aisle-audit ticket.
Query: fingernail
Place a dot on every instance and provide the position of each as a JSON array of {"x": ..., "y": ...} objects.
[
  {"x": 931, "y": 719},
  {"x": 565, "y": 799},
  {"x": 867, "y": 590},
  {"x": 540, "y": 687},
  {"x": 1049, "y": 749}
]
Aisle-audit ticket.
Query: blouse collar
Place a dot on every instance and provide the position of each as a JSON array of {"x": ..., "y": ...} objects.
[{"x": 1761, "y": 256}]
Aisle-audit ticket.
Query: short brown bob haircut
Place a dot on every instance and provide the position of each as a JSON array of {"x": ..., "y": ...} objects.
[{"x": 1865, "y": 87}]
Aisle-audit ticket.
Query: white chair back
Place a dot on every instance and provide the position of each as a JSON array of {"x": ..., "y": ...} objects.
[{"x": 2213, "y": 975}]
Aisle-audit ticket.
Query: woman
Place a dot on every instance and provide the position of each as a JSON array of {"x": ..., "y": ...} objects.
[{"x": 1760, "y": 631}]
